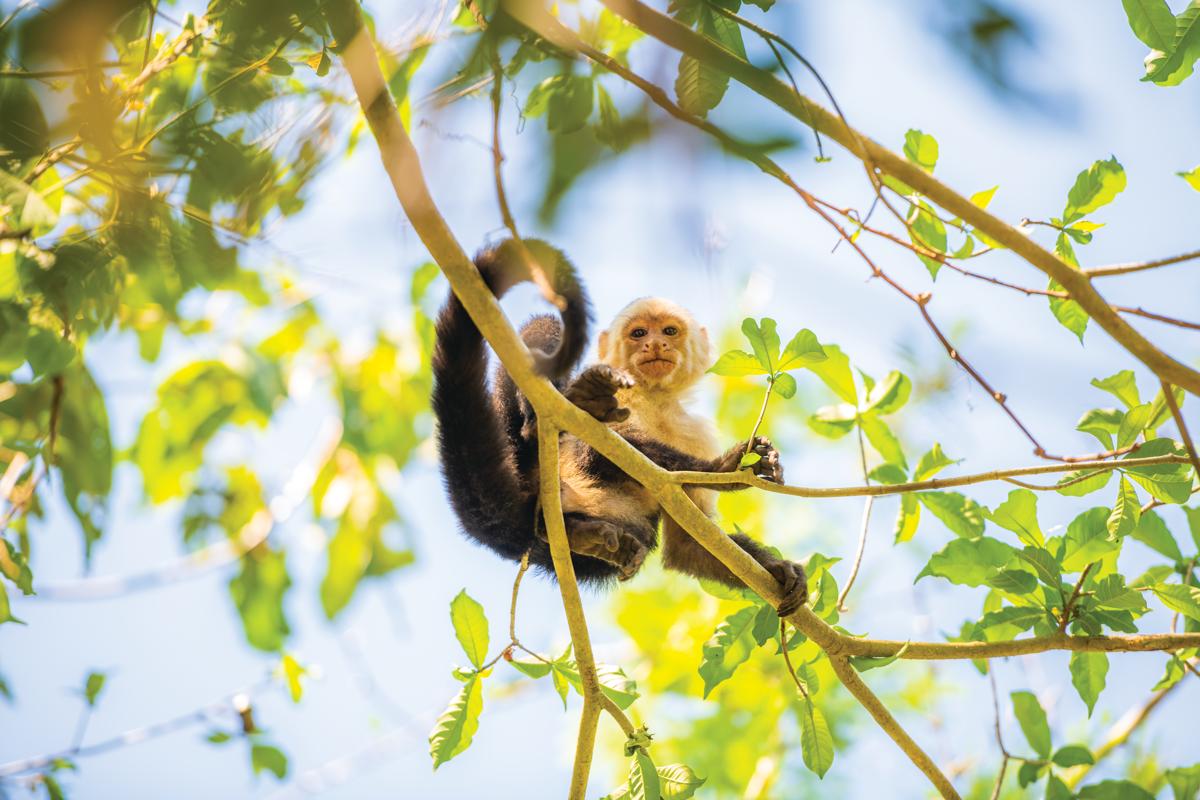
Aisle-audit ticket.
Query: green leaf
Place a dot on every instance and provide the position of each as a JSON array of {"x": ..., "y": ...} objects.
[
  {"x": 833, "y": 422},
  {"x": 959, "y": 513},
  {"x": 470, "y": 627},
  {"x": 1133, "y": 424},
  {"x": 1096, "y": 186},
  {"x": 324, "y": 64},
  {"x": 729, "y": 646},
  {"x": 802, "y": 351},
  {"x": 1103, "y": 423},
  {"x": 699, "y": 85},
  {"x": 983, "y": 198},
  {"x": 1177, "y": 597},
  {"x": 764, "y": 341},
  {"x": 933, "y": 462},
  {"x": 1088, "y": 539},
  {"x": 1019, "y": 514},
  {"x": 1121, "y": 385},
  {"x": 1152, "y": 532},
  {"x": 1193, "y": 518},
  {"x": 1033, "y": 722},
  {"x": 1057, "y": 790},
  {"x": 1192, "y": 176},
  {"x": 749, "y": 459},
  {"x": 883, "y": 440},
  {"x": 926, "y": 230},
  {"x": 1088, "y": 672},
  {"x": 16, "y": 568},
  {"x": 969, "y": 562},
  {"x": 1177, "y": 62},
  {"x": 47, "y": 352},
  {"x": 889, "y": 395},
  {"x": 1152, "y": 22},
  {"x": 816, "y": 741},
  {"x": 454, "y": 729},
  {"x": 785, "y": 385},
  {"x": 678, "y": 781},
  {"x": 835, "y": 372},
  {"x": 534, "y": 669},
  {"x": 1013, "y": 581},
  {"x": 292, "y": 672},
  {"x": 889, "y": 474},
  {"x": 258, "y": 592},
  {"x": 1044, "y": 564},
  {"x": 1072, "y": 755},
  {"x": 1019, "y": 617},
  {"x": 866, "y": 663},
  {"x": 1127, "y": 511},
  {"x": 907, "y": 518},
  {"x": 921, "y": 149},
  {"x": 643, "y": 777},
  {"x": 1114, "y": 790},
  {"x": 279, "y": 66},
  {"x": 1170, "y": 483},
  {"x": 570, "y": 104},
  {"x": 736, "y": 364},
  {"x": 1083, "y": 482},
  {"x": 92, "y": 686},
  {"x": 1184, "y": 782},
  {"x": 1068, "y": 312},
  {"x": 271, "y": 759}
]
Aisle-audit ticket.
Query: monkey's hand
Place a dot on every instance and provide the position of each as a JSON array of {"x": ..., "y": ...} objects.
[
  {"x": 767, "y": 467},
  {"x": 595, "y": 391},
  {"x": 792, "y": 581},
  {"x": 601, "y": 539}
]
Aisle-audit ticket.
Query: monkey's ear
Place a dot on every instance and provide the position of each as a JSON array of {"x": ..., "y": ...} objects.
[{"x": 602, "y": 346}]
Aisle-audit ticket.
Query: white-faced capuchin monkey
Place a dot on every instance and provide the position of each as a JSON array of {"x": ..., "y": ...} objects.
[{"x": 651, "y": 356}]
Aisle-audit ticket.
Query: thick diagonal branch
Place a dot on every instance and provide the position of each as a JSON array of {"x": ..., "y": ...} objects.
[{"x": 1074, "y": 281}]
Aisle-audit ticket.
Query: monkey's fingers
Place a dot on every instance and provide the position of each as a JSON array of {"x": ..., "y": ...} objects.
[
  {"x": 617, "y": 415},
  {"x": 793, "y": 584}
]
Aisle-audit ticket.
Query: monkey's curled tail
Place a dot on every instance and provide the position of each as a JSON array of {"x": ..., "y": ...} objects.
[{"x": 477, "y": 457}]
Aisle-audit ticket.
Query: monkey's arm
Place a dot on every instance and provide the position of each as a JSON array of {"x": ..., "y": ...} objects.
[
  {"x": 667, "y": 457},
  {"x": 682, "y": 553}
]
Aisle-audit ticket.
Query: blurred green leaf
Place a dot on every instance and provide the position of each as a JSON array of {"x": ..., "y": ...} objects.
[{"x": 1033, "y": 722}]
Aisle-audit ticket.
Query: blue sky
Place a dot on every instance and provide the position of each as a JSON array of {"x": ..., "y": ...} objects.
[{"x": 644, "y": 224}]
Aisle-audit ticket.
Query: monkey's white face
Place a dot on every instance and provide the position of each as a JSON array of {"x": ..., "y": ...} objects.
[{"x": 658, "y": 343}]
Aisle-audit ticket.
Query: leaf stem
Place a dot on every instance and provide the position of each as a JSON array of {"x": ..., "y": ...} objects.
[{"x": 762, "y": 412}]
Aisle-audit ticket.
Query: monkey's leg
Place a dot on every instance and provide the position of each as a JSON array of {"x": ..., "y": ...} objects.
[
  {"x": 684, "y": 554},
  {"x": 624, "y": 546}
]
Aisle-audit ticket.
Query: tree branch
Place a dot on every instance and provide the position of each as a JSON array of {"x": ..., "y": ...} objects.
[
  {"x": 880, "y": 490},
  {"x": 878, "y": 711},
  {"x": 1074, "y": 281},
  {"x": 1138, "y": 266},
  {"x": 560, "y": 552}
]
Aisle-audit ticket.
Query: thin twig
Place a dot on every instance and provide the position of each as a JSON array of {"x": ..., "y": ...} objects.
[
  {"x": 136, "y": 735},
  {"x": 1138, "y": 266},
  {"x": 879, "y": 490},
  {"x": 1070, "y": 604},
  {"x": 535, "y": 267},
  {"x": 999, "y": 739},
  {"x": 787, "y": 658},
  {"x": 864, "y": 526},
  {"x": 1169, "y": 396}
]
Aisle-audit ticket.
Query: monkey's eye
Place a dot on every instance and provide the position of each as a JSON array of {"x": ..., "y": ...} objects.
[
  {"x": 638, "y": 333},
  {"x": 670, "y": 330}
]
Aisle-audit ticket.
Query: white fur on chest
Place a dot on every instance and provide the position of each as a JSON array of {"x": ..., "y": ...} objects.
[{"x": 669, "y": 422}]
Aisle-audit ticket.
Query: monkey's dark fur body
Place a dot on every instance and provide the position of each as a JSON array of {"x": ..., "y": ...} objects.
[{"x": 487, "y": 440}]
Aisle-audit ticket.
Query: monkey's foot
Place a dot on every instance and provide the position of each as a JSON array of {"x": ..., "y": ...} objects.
[
  {"x": 595, "y": 391},
  {"x": 608, "y": 542},
  {"x": 766, "y": 467},
  {"x": 792, "y": 581}
]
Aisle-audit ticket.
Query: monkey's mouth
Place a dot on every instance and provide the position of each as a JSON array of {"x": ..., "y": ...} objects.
[{"x": 657, "y": 366}]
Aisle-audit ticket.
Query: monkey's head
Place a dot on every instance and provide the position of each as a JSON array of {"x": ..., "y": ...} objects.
[{"x": 659, "y": 343}]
